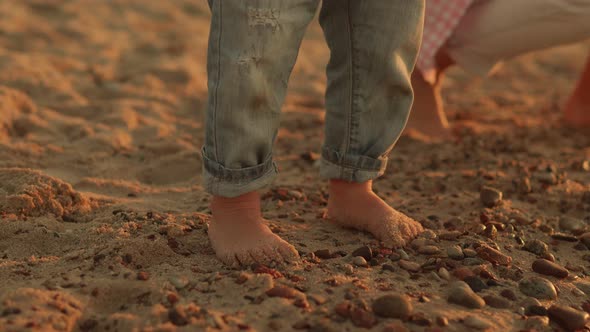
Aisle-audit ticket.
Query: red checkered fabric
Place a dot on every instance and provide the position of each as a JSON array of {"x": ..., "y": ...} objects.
[{"x": 441, "y": 18}]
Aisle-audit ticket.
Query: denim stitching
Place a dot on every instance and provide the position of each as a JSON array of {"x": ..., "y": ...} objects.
[
  {"x": 215, "y": 99},
  {"x": 351, "y": 101}
]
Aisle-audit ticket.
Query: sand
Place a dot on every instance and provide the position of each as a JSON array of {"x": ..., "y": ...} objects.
[{"x": 103, "y": 220}]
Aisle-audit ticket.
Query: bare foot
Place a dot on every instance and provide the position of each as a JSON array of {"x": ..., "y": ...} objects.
[
  {"x": 239, "y": 235},
  {"x": 427, "y": 116},
  {"x": 577, "y": 110},
  {"x": 355, "y": 205}
]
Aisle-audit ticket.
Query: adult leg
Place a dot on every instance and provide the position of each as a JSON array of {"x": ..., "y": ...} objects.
[
  {"x": 577, "y": 109},
  {"x": 427, "y": 116},
  {"x": 493, "y": 31},
  {"x": 253, "y": 46},
  {"x": 373, "y": 48}
]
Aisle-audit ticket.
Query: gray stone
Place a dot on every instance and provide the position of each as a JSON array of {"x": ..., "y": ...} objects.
[
  {"x": 538, "y": 287},
  {"x": 461, "y": 294},
  {"x": 584, "y": 286},
  {"x": 429, "y": 250},
  {"x": 455, "y": 252},
  {"x": 497, "y": 302},
  {"x": 490, "y": 197},
  {"x": 393, "y": 306},
  {"x": 359, "y": 261},
  {"x": 537, "y": 247},
  {"x": 409, "y": 266},
  {"x": 476, "y": 323},
  {"x": 572, "y": 225},
  {"x": 469, "y": 252}
]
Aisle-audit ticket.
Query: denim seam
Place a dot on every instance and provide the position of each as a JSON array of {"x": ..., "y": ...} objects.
[
  {"x": 220, "y": 23},
  {"x": 221, "y": 173},
  {"x": 351, "y": 77},
  {"x": 353, "y": 167},
  {"x": 334, "y": 158}
]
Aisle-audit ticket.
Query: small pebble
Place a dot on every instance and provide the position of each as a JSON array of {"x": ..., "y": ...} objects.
[
  {"x": 284, "y": 292},
  {"x": 569, "y": 318},
  {"x": 179, "y": 282},
  {"x": 444, "y": 273},
  {"x": 491, "y": 232},
  {"x": 538, "y": 287},
  {"x": 475, "y": 283},
  {"x": 364, "y": 252},
  {"x": 468, "y": 252},
  {"x": 409, "y": 266},
  {"x": 142, "y": 275},
  {"x": 537, "y": 247},
  {"x": 470, "y": 261},
  {"x": 497, "y": 302},
  {"x": 428, "y": 250},
  {"x": 462, "y": 272},
  {"x": 442, "y": 321},
  {"x": 535, "y": 310},
  {"x": 461, "y": 294},
  {"x": 543, "y": 266},
  {"x": 362, "y": 318},
  {"x": 476, "y": 323},
  {"x": 394, "y": 257},
  {"x": 537, "y": 323},
  {"x": 421, "y": 319},
  {"x": 524, "y": 185},
  {"x": 348, "y": 269},
  {"x": 546, "y": 178},
  {"x": 324, "y": 254},
  {"x": 393, "y": 306},
  {"x": 493, "y": 256},
  {"x": 360, "y": 261},
  {"x": 584, "y": 286},
  {"x": 428, "y": 234},
  {"x": 449, "y": 235},
  {"x": 177, "y": 316},
  {"x": 564, "y": 237},
  {"x": 403, "y": 254},
  {"x": 585, "y": 239},
  {"x": 388, "y": 267},
  {"x": 571, "y": 225},
  {"x": 509, "y": 294},
  {"x": 490, "y": 197},
  {"x": 455, "y": 252}
]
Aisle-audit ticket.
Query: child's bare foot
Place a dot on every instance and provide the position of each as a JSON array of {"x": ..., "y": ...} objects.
[
  {"x": 355, "y": 205},
  {"x": 577, "y": 110},
  {"x": 239, "y": 235}
]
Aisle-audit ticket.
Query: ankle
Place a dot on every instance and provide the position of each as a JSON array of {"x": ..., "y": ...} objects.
[
  {"x": 340, "y": 187},
  {"x": 243, "y": 206}
]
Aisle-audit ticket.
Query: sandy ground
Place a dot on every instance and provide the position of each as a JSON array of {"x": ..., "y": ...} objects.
[{"x": 103, "y": 219}]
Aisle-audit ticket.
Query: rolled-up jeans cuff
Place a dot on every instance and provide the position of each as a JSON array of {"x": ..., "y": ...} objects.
[
  {"x": 351, "y": 168},
  {"x": 230, "y": 182}
]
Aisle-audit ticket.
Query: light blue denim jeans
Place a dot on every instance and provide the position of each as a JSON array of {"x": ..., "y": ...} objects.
[{"x": 253, "y": 45}]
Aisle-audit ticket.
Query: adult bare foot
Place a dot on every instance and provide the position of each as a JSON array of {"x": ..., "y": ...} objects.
[
  {"x": 577, "y": 109},
  {"x": 239, "y": 235},
  {"x": 355, "y": 205},
  {"x": 427, "y": 116}
]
